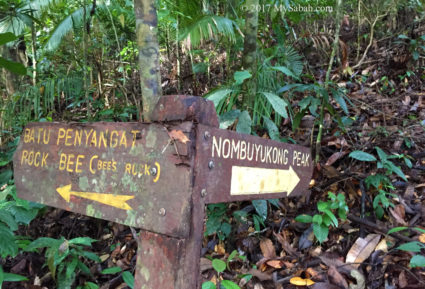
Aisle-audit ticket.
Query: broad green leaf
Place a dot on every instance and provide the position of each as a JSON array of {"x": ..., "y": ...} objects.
[
  {"x": 332, "y": 217},
  {"x": 285, "y": 71},
  {"x": 43, "y": 242},
  {"x": 317, "y": 219},
  {"x": 278, "y": 104},
  {"x": 362, "y": 156},
  {"x": 208, "y": 285},
  {"x": 229, "y": 284},
  {"x": 8, "y": 247},
  {"x": 326, "y": 220},
  {"x": 261, "y": 208},
  {"x": 10, "y": 277},
  {"x": 304, "y": 103},
  {"x": 240, "y": 76},
  {"x": 83, "y": 268},
  {"x": 5, "y": 176},
  {"x": 91, "y": 256},
  {"x": 395, "y": 169},
  {"x": 82, "y": 241},
  {"x": 128, "y": 278},
  {"x": 289, "y": 87},
  {"x": 1, "y": 276},
  {"x": 225, "y": 228},
  {"x": 70, "y": 268},
  {"x": 232, "y": 255},
  {"x": 322, "y": 206},
  {"x": 218, "y": 95},
  {"x": 340, "y": 100},
  {"x": 417, "y": 261},
  {"x": 228, "y": 118},
  {"x": 304, "y": 218},
  {"x": 90, "y": 285},
  {"x": 6, "y": 37},
  {"x": 379, "y": 211},
  {"x": 321, "y": 232},
  {"x": 271, "y": 129},
  {"x": 23, "y": 215},
  {"x": 7, "y": 218},
  {"x": 15, "y": 67},
  {"x": 219, "y": 265},
  {"x": 382, "y": 155},
  {"x": 411, "y": 247},
  {"x": 244, "y": 123},
  {"x": 111, "y": 270},
  {"x": 396, "y": 229}
]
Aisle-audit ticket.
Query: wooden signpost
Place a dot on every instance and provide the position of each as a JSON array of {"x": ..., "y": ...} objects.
[{"x": 157, "y": 177}]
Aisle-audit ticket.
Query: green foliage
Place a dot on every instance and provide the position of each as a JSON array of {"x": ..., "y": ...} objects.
[
  {"x": 64, "y": 257},
  {"x": 362, "y": 156},
  {"x": 326, "y": 218},
  {"x": 381, "y": 182},
  {"x": 9, "y": 277},
  {"x": 111, "y": 270},
  {"x": 416, "y": 46},
  {"x": 415, "y": 246},
  {"x": 13, "y": 211},
  {"x": 12, "y": 66},
  {"x": 88, "y": 285},
  {"x": 218, "y": 222},
  {"x": 128, "y": 279},
  {"x": 220, "y": 266}
]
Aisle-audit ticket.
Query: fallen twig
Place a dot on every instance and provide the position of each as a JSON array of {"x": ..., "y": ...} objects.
[{"x": 377, "y": 228}]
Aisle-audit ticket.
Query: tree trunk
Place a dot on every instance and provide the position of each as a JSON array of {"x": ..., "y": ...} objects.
[
  {"x": 34, "y": 54},
  {"x": 147, "y": 42},
  {"x": 85, "y": 66},
  {"x": 249, "y": 61},
  {"x": 9, "y": 78}
]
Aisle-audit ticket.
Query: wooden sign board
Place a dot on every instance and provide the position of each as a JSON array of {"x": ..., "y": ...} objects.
[
  {"x": 233, "y": 166},
  {"x": 157, "y": 177},
  {"x": 122, "y": 172}
]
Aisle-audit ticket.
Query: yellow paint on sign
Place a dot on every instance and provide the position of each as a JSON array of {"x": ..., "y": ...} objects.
[
  {"x": 249, "y": 180},
  {"x": 117, "y": 201}
]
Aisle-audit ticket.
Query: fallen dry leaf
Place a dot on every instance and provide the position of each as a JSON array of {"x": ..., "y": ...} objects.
[
  {"x": 399, "y": 213},
  {"x": 267, "y": 248},
  {"x": 277, "y": 264},
  {"x": 334, "y": 157},
  {"x": 362, "y": 249},
  {"x": 285, "y": 244},
  {"x": 421, "y": 238},
  {"x": 311, "y": 272},
  {"x": 402, "y": 280},
  {"x": 178, "y": 135},
  {"x": 298, "y": 281},
  {"x": 219, "y": 249},
  {"x": 336, "y": 278},
  {"x": 260, "y": 275}
]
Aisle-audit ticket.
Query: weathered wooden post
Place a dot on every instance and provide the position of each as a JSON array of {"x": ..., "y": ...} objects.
[{"x": 157, "y": 177}]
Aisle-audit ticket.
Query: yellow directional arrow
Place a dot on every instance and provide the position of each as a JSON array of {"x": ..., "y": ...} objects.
[
  {"x": 117, "y": 201},
  {"x": 249, "y": 180}
]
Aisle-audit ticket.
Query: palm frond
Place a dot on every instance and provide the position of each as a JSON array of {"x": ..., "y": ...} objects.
[
  {"x": 12, "y": 24},
  {"x": 291, "y": 59},
  {"x": 36, "y": 6},
  {"x": 22, "y": 16},
  {"x": 63, "y": 28},
  {"x": 208, "y": 27}
]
